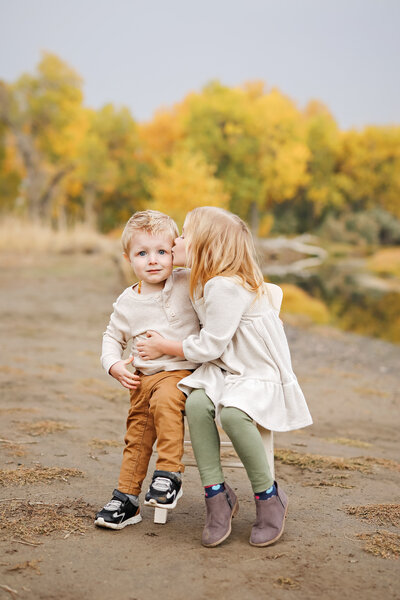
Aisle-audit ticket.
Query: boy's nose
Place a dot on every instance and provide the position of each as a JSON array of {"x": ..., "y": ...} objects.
[{"x": 152, "y": 258}]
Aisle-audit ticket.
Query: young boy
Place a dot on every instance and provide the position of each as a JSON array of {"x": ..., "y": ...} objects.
[{"x": 159, "y": 301}]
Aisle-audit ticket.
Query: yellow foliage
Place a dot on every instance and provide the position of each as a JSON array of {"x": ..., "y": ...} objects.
[
  {"x": 160, "y": 136},
  {"x": 185, "y": 183},
  {"x": 265, "y": 226},
  {"x": 286, "y": 173},
  {"x": 247, "y": 148},
  {"x": 371, "y": 160},
  {"x": 297, "y": 301},
  {"x": 386, "y": 262},
  {"x": 12, "y": 161}
]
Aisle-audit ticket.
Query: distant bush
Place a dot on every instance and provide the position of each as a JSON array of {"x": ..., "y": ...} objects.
[
  {"x": 334, "y": 229},
  {"x": 373, "y": 227},
  {"x": 297, "y": 302},
  {"x": 22, "y": 236},
  {"x": 364, "y": 226},
  {"x": 389, "y": 226},
  {"x": 385, "y": 262},
  {"x": 378, "y": 317}
]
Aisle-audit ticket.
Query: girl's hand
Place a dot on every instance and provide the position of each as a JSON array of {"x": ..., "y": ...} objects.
[
  {"x": 126, "y": 378},
  {"x": 151, "y": 347}
]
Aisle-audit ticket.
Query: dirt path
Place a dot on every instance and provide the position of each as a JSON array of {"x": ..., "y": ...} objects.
[{"x": 53, "y": 311}]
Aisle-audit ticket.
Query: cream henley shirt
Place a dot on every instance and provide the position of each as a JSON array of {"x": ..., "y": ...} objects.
[{"x": 170, "y": 312}]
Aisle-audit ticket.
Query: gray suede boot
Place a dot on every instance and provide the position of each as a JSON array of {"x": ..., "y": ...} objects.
[
  {"x": 270, "y": 519},
  {"x": 220, "y": 511}
]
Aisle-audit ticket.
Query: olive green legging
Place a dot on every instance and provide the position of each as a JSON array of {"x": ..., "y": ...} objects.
[{"x": 242, "y": 432}]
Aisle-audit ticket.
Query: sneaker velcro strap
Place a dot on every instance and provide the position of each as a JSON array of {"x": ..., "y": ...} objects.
[
  {"x": 167, "y": 474},
  {"x": 120, "y": 495}
]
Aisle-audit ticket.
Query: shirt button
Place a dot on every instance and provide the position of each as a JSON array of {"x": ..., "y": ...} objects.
[
  {"x": 172, "y": 314},
  {"x": 167, "y": 304}
]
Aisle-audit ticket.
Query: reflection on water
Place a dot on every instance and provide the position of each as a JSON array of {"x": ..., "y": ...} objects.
[{"x": 356, "y": 300}]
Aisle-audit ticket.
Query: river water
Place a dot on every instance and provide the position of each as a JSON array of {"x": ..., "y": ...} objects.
[{"x": 357, "y": 300}]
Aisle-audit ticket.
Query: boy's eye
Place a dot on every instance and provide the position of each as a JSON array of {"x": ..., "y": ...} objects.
[
  {"x": 162, "y": 251},
  {"x": 142, "y": 253}
]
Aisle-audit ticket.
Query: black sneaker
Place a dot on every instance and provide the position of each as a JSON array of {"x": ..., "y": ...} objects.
[
  {"x": 118, "y": 513},
  {"x": 165, "y": 490}
]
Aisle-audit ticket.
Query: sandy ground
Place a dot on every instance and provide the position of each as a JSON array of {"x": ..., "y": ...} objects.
[{"x": 53, "y": 311}]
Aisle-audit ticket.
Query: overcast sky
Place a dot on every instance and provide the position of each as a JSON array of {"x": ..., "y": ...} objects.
[{"x": 149, "y": 54}]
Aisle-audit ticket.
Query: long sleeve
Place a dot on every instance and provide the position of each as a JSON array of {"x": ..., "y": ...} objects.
[
  {"x": 224, "y": 304},
  {"x": 272, "y": 331},
  {"x": 115, "y": 339}
]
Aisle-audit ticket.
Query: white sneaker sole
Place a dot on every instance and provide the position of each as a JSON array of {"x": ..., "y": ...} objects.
[
  {"x": 100, "y": 522},
  {"x": 156, "y": 504}
]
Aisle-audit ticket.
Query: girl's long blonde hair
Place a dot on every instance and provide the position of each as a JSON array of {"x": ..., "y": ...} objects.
[{"x": 219, "y": 243}]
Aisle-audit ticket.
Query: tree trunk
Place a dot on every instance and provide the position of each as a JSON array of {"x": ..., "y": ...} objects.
[
  {"x": 254, "y": 219},
  {"x": 33, "y": 183},
  {"x": 89, "y": 206},
  {"x": 61, "y": 217}
]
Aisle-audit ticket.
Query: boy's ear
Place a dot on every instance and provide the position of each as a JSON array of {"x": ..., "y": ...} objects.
[{"x": 124, "y": 254}]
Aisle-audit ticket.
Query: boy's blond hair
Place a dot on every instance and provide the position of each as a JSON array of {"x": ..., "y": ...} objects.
[
  {"x": 151, "y": 221},
  {"x": 219, "y": 243}
]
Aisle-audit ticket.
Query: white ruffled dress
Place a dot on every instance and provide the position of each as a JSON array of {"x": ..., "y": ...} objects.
[{"x": 244, "y": 337}]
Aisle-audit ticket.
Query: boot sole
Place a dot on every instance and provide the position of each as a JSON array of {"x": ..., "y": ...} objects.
[
  {"x": 132, "y": 521},
  {"x": 235, "y": 511},
  {"x": 263, "y": 544},
  {"x": 152, "y": 502}
]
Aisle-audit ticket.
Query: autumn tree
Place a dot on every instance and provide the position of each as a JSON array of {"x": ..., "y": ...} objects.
[
  {"x": 370, "y": 160},
  {"x": 10, "y": 171},
  {"x": 107, "y": 179},
  {"x": 185, "y": 182},
  {"x": 255, "y": 141},
  {"x": 248, "y": 148},
  {"x": 44, "y": 113}
]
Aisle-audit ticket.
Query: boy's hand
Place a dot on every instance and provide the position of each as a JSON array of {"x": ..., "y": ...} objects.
[
  {"x": 123, "y": 375},
  {"x": 151, "y": 347}
]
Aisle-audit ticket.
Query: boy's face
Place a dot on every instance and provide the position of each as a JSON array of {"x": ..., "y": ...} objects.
[
  {"x": 151, "y": 257},
  {"x": 179, "y": 250}
]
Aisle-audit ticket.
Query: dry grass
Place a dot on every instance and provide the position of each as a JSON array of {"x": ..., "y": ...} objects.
[
  {"x": 97, "y": 387},
  {"x": 15, "y": 449},
  {"x": 381, "y": 543},
  {"x": 96, "y": 443},
  {"x": 12, "y": 370},
  {"x": 12, "y": 410},
  {"x": 43, "y": 427},
  {"x": 286, "y": 583},
  {"x": 54, "y": 368},
  {"x": 349, "y": 442},
  {"x": 387, "y": 463},
  {"x": 38, "y": 474},
  {"x": 28, "y": 564},
  {"x": 19, "y": 236},
  {"x": 381, "y": 514},
  {"x": 25, "y": 520},
  {"x": 329, "y": 483},
  {"x": 365, "y": 391},
  {"x": 319, "y": 462}
]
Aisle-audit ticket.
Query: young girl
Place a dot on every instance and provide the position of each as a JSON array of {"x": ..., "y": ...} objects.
[{"x": 243, "y": 335}]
